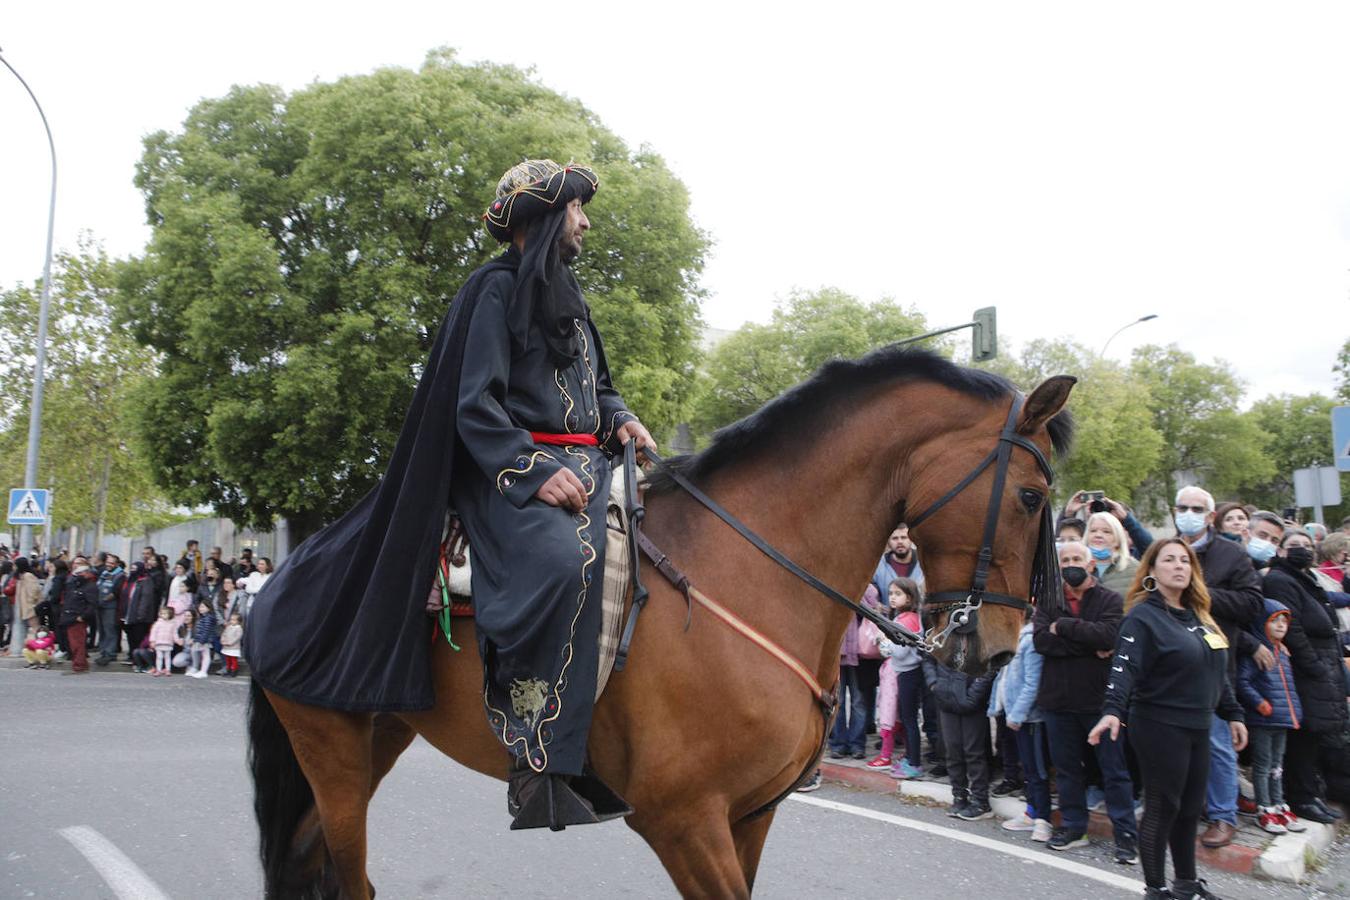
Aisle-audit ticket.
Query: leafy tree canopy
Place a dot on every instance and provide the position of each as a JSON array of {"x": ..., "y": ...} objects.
[
  {"x": 92, "y": 368},
  {"x": 1205, "y": 438},
  {"x": 757, "y": 362},
  {"x": 1300, "y": 437},
  {"x": 305, "y": 247}
]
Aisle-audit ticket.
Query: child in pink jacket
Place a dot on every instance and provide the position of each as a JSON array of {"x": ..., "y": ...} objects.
[{"x": 162, "y": 639}]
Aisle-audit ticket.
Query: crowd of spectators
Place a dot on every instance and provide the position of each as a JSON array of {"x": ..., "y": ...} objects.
[
  {"x": 73, "y": 611},
  {"x": 1175, "y": 665}
]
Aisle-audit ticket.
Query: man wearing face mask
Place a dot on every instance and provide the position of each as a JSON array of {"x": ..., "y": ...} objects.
[
  {"x": 1236, "y": 603},
  {"x": 1266, "y": 530},
  {"x": 1077, "y": 645}
]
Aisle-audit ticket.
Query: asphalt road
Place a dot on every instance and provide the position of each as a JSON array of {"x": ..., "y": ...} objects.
[{"x": 127, "y": 786}]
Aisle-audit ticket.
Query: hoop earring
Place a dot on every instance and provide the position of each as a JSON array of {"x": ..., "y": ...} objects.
[{"x": 1149, "y": 583}]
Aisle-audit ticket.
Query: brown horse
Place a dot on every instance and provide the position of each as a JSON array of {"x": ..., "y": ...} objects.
[{"x": 823, "y": 473}]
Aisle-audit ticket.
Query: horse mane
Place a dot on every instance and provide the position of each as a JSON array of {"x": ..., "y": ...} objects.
[{"x": 832, "y": 387}]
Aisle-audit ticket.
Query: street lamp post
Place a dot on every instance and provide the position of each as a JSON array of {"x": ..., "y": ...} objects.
[
  {"x": 1122, "y": 328},
  {"x": 30, "y": 473}
]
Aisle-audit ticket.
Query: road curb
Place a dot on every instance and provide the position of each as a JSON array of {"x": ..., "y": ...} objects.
[{"x": 1286, "y": 858}]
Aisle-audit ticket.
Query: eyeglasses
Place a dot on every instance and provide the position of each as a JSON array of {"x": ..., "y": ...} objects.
[{"x": 1194, "y": 509}]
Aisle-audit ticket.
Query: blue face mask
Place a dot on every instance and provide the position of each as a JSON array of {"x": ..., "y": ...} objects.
[
  {"x": 1260, "y": 550},
  {"x": 1102, "y": 553},
  {"x": 1190, "y": 523}
]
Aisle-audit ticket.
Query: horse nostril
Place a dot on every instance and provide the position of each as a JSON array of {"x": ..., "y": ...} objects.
[{"x": 999, "y": 660}]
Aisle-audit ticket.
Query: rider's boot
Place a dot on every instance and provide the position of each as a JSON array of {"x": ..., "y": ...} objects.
[{"x": 546, "y": 800}]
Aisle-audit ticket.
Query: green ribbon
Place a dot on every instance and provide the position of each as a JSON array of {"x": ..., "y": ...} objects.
[{"x": 445, "y": 610}]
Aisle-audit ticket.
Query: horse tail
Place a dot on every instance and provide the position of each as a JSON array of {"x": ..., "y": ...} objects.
[{"x": 281, "y": 798}]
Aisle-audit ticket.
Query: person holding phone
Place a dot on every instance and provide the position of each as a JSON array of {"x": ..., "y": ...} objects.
[
  {"x": 1169, "y": 677},
  {"x": 1084, "y": 503}
]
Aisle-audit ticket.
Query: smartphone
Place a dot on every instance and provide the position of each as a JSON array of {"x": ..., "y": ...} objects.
[
  {"x": 1290, "y": 513},
  {"x": 1089, "y": 496}
]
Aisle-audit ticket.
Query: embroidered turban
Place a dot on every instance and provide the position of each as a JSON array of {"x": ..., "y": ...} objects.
[{"x": 532, "y": 188}]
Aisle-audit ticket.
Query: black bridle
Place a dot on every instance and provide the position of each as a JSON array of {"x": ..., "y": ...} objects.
[
  {"x": 961, "y": 606},
  {"x": 1044, "y": 580}
]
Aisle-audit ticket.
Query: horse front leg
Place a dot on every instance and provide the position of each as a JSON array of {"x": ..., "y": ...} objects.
[
  {"x": 696, "y": 846},
  {"x": 749, "y": 836}
]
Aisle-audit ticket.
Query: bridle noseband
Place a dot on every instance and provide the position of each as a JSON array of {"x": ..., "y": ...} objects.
[{"x": 962, "y": 605}]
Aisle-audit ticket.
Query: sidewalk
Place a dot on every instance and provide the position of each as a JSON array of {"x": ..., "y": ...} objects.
[{"x": 1286, "y": 857}]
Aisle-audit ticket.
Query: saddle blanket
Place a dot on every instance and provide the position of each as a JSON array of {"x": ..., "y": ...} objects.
[{"x": 617, "y": 583}]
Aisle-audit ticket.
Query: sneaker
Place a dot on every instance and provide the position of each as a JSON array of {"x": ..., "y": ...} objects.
[
  {"x": 937, "y": 771},
  {"x": 1127, "y": 851},
  {"x": 1247, "y": 807},
  {"x": 1063, "y": 839},
  {"x": 127, "y": 662},
  {"x": 859, "y": 754},
  {"x": 954, "y": 811},
  {"x": 1006, "y": 788},
  {"x": 812, "y": 784},
  {"x": 59, "y": 655},
  {"x": 1289, "y": 820},
  {"x": 196, "y": 673},
  {"x": 837, "y": 754},
  {"x": 975, "y": 811},
  {"x": 1096, "y": 799},
  {"x": 879, "y": 762},
  {"x": 1042, "y": 831},
  {"x": 1019, "y": 822},
  {"x": 1271, "y": 820},
  {"x": 903, "y": 769}
]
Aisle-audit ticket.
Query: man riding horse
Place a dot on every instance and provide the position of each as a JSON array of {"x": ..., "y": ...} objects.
[{"x": 513, "y": 422}]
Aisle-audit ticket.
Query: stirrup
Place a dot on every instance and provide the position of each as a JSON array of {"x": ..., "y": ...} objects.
[
  {"x": 605, "y": 802},
  {"x": 548, "y": 801}
]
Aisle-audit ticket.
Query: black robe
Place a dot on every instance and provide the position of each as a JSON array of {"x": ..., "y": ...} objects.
[
  {"x": 340, "y": 624},
  {"x": 538, "y": 571}
]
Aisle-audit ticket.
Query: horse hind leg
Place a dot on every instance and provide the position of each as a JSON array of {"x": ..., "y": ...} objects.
[{"x": 335, "y": 751}]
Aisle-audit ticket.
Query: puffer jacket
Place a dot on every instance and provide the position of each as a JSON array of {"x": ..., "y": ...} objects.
[
  {"x": 1015, "y": 689},
  {"x": 1314, "y": 646},
  {"x": 957, "y": 692},
  {"x": 1275, "y": 687}
]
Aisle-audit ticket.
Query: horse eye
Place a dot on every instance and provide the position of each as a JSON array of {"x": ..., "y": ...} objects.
[{"x": 1030, "y": 499}]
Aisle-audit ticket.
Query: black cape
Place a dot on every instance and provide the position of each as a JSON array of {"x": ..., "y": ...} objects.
[{"x": 332, "y": 628}]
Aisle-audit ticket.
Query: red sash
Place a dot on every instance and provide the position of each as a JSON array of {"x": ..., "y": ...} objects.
[{"x": 563, "y": 440}]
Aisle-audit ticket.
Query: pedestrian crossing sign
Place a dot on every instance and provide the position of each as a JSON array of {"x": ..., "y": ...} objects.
[{"x": 27, "y": 506}]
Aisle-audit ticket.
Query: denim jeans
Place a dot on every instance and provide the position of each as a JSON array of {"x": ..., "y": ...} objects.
[
  {"x": 1068, "y": 733},
  {"x": 1268, "y": 764},
  {"x": 1222, "y": 791},
  {"x": 1035, "y": 768},
  {"x": 108, "y": 635},
  {"x": 847, "y": 735}
]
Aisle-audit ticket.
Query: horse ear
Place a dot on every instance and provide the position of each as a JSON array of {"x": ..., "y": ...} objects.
[{"x": 1045, "y": 403}]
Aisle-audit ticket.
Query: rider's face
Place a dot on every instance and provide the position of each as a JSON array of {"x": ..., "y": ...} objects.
[{"x": 574, "y": 230}]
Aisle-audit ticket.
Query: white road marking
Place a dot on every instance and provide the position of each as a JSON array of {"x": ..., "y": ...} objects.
[
  {"x": 122, "y": 876},
  {"x": 1044, "y": 857}
]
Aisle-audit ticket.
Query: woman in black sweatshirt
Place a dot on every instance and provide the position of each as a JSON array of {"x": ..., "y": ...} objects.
[{"x": 1168, "y": 677}]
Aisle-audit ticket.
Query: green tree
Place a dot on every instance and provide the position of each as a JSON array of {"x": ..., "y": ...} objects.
[
  {"x": 1342, "y": 370},
  {"x": 1195, "y": 408},
  {"x": 1300, "y": 437},
  {"x": 303, "y": 252},
  {"x": 1116, "y": 445},
  {"x": 757, "y": 362},
  {"x": 88, "y": 453}
]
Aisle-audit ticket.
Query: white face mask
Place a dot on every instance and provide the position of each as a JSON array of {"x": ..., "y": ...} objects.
[
  {"x": 1190, "y": 523},
  {"x": 1260, "y": 549}
]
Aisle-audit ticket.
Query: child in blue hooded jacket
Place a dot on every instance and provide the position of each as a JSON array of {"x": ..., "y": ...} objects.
[{"x": 1273, "y": 709}]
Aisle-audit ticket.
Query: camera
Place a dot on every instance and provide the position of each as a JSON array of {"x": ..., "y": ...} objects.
[{"x": 1095, "y": 500}]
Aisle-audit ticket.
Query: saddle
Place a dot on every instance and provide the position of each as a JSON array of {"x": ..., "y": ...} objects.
[{"x": 457, "y": 566}]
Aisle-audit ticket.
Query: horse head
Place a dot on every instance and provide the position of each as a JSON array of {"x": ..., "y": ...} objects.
[{"x": 988, "y": 542}]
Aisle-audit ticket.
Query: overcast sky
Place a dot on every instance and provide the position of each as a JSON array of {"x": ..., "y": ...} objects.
[{"x": 1075, "y": 164}]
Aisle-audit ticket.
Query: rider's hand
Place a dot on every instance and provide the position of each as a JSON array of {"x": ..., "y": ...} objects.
[
  {"x": 563, "y": 489},
  {"x": 1108, "y": 723},
  {"x": 635, "y": 429}
]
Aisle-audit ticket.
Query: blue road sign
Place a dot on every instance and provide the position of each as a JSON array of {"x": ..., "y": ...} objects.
[
  {"x": 1340, "y": 436},
  {"x": 27, "y": 506}
]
